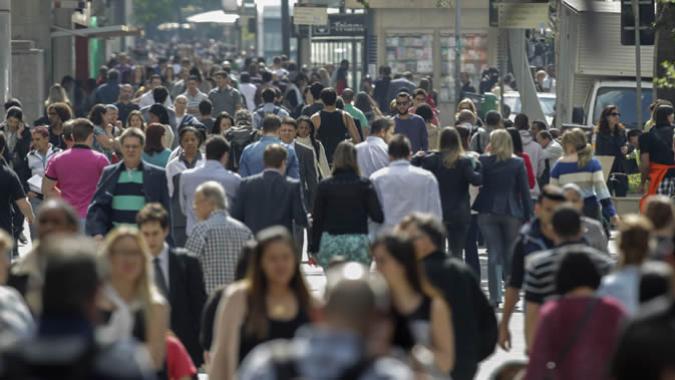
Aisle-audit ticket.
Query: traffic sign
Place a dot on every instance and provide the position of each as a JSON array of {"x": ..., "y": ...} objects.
[
  {"x": 303, "y": 15},
  {"x": 523, "y": 15}
]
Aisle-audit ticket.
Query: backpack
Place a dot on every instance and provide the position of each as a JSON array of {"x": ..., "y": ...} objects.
[{"x": 239, "y": 138}]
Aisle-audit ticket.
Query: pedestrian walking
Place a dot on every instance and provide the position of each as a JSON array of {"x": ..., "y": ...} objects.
[
  {"x": 421, "y": 315},
  {"x": 131, "y": 305},
  {"x": 272, "y": 302},
  {"x": 332, "y": 124},
  {"x": 532, "y": 149},
  {"x": 611, "y": 141},
  {"x": 454, "y": 172},
  {"x": 218, "y": 238},
  {"x": 252, "y": 158},
  {"x": 372, "y": 154},
  {"x": 154, "y": 151},
  {"x": 577, "y": 334},
  {"x": 334, "y": 232},
  {"x": 656, "y": 155},
  {"x": 503, "y": 205},
  {"x": 578, "y": 166},
  {"x": 402, "y": 188},
  {"x": 307, "y": 135},
  {"x": 410, "y": 125}
]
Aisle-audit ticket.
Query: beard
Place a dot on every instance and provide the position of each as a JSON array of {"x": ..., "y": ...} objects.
[{"x": 401, "y": 113}]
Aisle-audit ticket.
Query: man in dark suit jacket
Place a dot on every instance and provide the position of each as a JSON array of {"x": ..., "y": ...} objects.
[
  {"x": 131, "y": 182},
  {"x": 270, "y": 198},
  {"x": 178, "y": 276}
]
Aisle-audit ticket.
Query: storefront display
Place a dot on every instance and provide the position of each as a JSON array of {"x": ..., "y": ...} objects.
[
  {"x": 410, "y": 52},
  {"x": 474, "y": 61}
]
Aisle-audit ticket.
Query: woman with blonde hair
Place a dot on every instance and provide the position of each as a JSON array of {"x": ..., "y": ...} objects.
[
  {"x": 131, "y": 305},
  {"x": 503, "y": 205},
  {"x": 455, "y": 171},
  {"x": 335, "y": 232},
  {"x": 57, "y": 94},
  {"x": 271, "y": 302},
  {"x": 580, "y": 167}
]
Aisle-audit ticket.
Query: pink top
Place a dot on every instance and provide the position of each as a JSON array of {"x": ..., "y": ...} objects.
[
  {"x": 76, "y": 172},
  {"x": 590, "y": 354}
]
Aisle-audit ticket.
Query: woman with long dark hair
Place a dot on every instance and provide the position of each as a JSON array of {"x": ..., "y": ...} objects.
[
  {"x": 367, "y": 105},
  {"x": 271, "y": 302},
  {"x": 611, "y": 140},
  {"x": 518, "y": 151},
  {"x": 335, "y": 232},
  {"x": 103, "y": 134},
  {"x": 224, "y": 121},
  {"x": 421, "y": 315},
  {"x": 154, "y": 152},
  {"x": 307, "y": 136},
  {"x": 455, "y": 171}
]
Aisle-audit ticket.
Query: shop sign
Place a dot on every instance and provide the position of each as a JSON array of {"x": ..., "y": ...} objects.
[
  {"x": 310, "y": 15},
  {"x": 523, "y": 15},
  {"x": 339, "y": 25}
]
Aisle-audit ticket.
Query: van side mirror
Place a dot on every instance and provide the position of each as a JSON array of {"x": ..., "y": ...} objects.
[{"x": 577, "y": 115}]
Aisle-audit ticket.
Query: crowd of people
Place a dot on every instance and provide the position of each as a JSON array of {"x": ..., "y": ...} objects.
[{"x": 169, "y": 228}]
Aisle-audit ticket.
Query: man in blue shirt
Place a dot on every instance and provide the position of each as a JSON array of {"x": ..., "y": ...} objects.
[
  {"x": 410, "y": 125},
  {"x": 108, "y": 92},
  {"x": 251, "y": 162}
]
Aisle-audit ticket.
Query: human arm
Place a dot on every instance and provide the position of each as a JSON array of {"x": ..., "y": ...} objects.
[
  {"x": 434, "y": 198},
  {"x": 104, "y": 137},
  {"x": 442, "y": 335},
  {"x": 531, "y": 322},
  {"x": 324, "y": 168},
  {"x": 473, "y": 172},
  {"x": 293, "y": 168},
  {"x": 524, "y": 190},
  {"x": 531, "y": 181},
  {"x": 318, "y": 213},
  {"x": 373, "y": 205},
  {"x": 351, "y": 127},
  {"x": 299, "y": 211},
  {"x": 237, "y": 208},
  {"x": 197, "y": 295},
  {"x": 226, "y": 334},
  {"x": 49, "y": 187},
  {"x": 644, "y": 170},
  {"x": 26, "y": 208},
  {"x": 244, "y": 170},
  {"x": 156, "y": 332},
  {"x": 424, "y": 136}
]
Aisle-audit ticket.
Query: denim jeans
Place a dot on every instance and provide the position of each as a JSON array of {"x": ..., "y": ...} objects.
[
  {"x": 35, "y": 204},
  {"x": 500, "y": 232}
]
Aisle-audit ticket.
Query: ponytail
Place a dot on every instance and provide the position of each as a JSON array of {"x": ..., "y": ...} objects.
[{"x": 585, "y": 155}]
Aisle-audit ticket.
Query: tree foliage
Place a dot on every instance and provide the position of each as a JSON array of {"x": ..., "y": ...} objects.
[
  {"x": 154, "y": 12},
  {"x": 664, "y": 75}
]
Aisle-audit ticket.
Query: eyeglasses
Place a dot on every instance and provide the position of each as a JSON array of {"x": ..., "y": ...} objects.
[{"x": 614, "y": 114}]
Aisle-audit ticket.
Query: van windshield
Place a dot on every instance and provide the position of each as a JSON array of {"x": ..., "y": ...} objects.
[{"x": 624, "y": 98}]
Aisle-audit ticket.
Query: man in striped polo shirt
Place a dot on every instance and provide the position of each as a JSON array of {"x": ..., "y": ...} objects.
[
  {"x": 541, "y": 268},
  {"x": 125, "y": 187}
]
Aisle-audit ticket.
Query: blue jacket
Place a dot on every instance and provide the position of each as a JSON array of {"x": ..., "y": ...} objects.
[
  {"x": 505, "y": 190},
  {"x": 251, "y": 161},
  {"x": 100, "y": 209}
]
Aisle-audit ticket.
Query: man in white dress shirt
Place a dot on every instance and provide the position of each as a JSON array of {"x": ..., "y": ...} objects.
[
  {"x": 403, "y": 188},
  {"x": 372, "y": 155}
]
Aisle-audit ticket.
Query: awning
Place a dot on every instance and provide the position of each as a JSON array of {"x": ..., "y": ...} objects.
[
  {"x": 99, "y": 32},
  {"x": 214, "y": 17}
]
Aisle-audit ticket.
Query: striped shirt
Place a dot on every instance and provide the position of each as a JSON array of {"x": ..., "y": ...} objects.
[
  {"x": 541, "y": 268},
  {"x": 129, "y": 197},
  {"x": 589, "y": 178}
]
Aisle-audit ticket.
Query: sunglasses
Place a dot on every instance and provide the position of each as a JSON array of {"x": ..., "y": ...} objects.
[{"x": 614, "y": 114}]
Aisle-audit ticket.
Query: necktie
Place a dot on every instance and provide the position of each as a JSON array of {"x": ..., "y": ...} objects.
[{"x": 160, "y": 280}]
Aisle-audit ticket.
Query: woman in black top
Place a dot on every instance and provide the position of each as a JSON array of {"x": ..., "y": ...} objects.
[
  {"x": 454, "y": 171},
  {"x": 343, "y": 204},
  {"x": 611, "y": 140},
  {"x": 656, "y": 154},
  {"x": 271, "y": 302},
  {"x": 420, "y": 315}
]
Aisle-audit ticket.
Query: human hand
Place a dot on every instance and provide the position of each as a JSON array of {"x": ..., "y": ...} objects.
[
  {"x": 504, "y": 337},
  {"x": 624, "y": 150},
  {"x": 31, "y": 194}
]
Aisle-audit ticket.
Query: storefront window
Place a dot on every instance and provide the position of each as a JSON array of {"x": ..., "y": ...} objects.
[
  {"x": 474, "y": 61},
  {"x": 411, "y": 52}
]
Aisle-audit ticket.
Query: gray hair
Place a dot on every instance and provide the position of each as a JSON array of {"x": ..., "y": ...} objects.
[
  {"x": 214, "y": 193},
  {"x": 573, "y": 187},
  {"x": 111, "y": 107}
]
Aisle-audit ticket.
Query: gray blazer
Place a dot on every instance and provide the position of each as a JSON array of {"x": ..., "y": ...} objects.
[{"x": 308, "y": 176}]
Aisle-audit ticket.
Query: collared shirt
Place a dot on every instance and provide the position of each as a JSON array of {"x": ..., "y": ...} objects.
[
  {"x": 403, "y": 189},
  {"x": 193, "y": 101},
  {"x": 251, "y": 162},
  {"x": 178, "y": 165},
  {"x": 211, "y": 170},
  {"x": 267, "y": 108},
  {"x": 147, "y": 100},
  {"x": 217, "y": 242},
  {"x": 225, "y": 99},
  {"x": 372, "y": 155}
]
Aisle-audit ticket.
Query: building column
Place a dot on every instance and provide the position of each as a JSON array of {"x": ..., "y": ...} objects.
[
  {"x": 32, "y": 20},
  {"x": 63, "y": 59},
  {"x": 6, "y": 48}
]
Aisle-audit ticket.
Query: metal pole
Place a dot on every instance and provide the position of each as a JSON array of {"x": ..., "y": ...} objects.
[
  {"x": 503, "y": 52},
  {"x": 285, "y": 28},
  {"x": 458, "y": 50},
  {"x": 6, "y": 49},
  {"x": 638, "y": 69}
]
